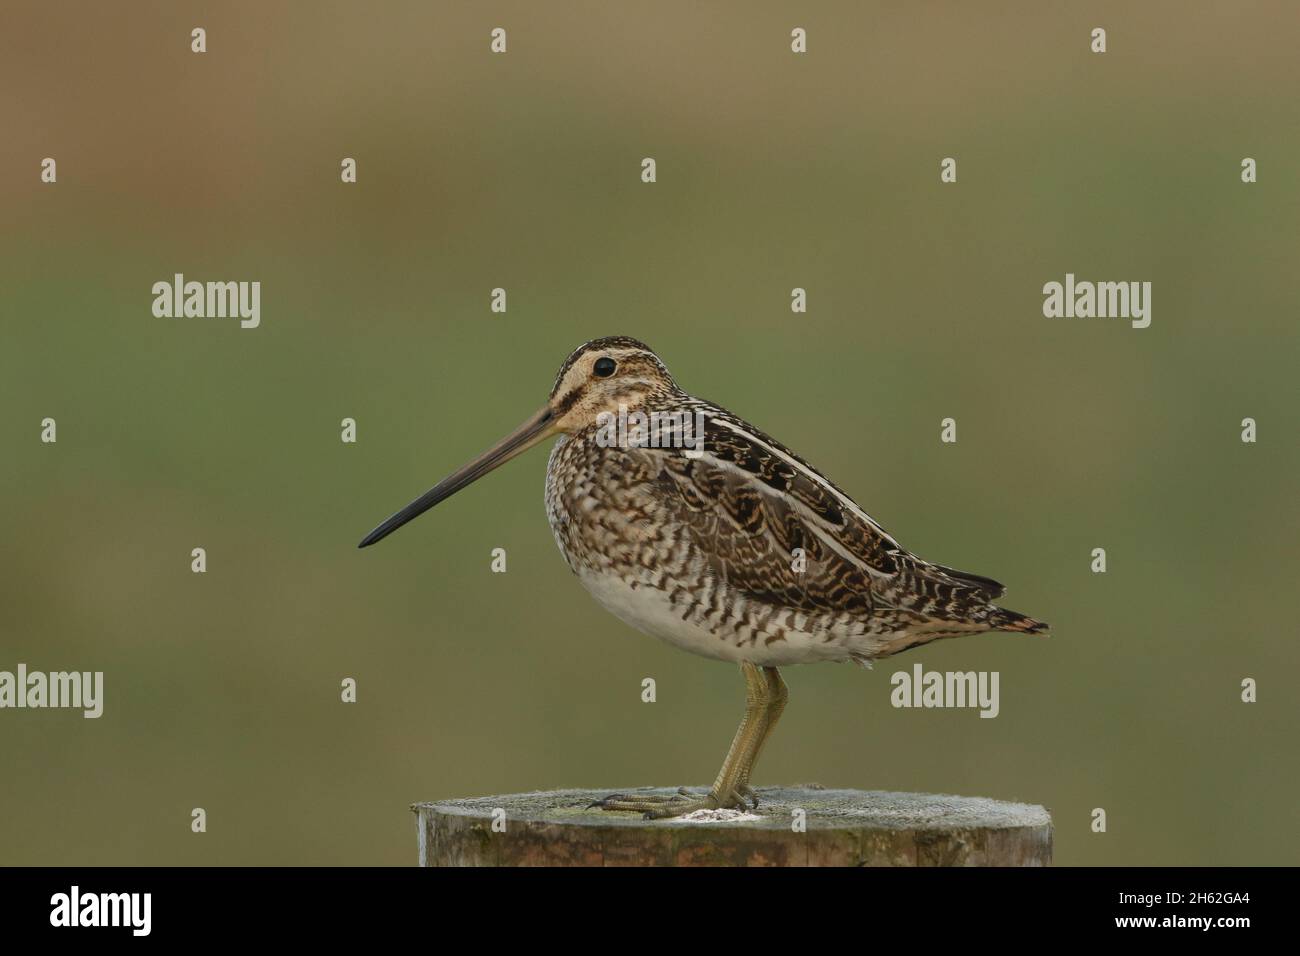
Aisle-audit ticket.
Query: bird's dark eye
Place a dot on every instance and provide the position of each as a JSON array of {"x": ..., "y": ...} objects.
[{"x": 604, "y": 366}]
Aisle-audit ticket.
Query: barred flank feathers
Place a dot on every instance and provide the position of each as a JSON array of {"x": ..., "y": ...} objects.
[{"x": 1004, "y": 620}]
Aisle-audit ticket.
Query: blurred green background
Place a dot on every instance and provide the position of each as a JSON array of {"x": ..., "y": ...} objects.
[{"x": 522, "y": 171}]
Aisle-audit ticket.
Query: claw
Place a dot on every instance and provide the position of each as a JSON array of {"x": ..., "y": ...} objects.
[{"x": 613, "y": 800}]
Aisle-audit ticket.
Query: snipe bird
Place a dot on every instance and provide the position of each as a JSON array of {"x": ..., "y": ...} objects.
[{"x": 732, "y": 547}]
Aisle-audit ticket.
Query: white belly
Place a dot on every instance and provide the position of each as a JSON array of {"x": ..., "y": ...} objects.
[{"x": 648, "y": 610}]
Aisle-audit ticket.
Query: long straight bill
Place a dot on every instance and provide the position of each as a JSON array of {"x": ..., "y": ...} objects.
[{"x": 536, "y": 429}]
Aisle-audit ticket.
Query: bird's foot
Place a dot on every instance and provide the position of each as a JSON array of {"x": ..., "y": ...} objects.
[{"x": 657, "y": 806}]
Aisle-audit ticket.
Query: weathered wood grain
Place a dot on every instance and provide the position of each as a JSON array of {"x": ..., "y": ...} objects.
[{"x": 843, "y": 828}]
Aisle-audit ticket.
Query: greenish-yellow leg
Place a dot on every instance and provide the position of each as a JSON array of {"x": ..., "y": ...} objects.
[
  {"x": 778, "y": 694},
  {"x": 765, "y": 697}
]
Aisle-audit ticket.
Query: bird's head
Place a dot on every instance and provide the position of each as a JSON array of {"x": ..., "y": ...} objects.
[
  {"x": 598, "y": 377},
  {"x": 606, "y": 375}
]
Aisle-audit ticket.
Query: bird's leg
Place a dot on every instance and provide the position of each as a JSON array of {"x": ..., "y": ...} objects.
[
  {"x": 778, "y": 694},
  {"x": 749, "y": 737},
  {"x": 764, "y": 692}
]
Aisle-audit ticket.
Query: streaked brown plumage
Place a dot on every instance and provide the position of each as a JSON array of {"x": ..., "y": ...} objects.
[
  {"x": 704, "y": 551},
  {"x": 715, "y": 537}
]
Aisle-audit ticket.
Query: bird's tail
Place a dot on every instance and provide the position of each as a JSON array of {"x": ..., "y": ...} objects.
[{"x": 1003, "y": 620}]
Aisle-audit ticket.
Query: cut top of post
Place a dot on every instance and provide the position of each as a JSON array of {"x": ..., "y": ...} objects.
[{"x": 793, "y": 826}]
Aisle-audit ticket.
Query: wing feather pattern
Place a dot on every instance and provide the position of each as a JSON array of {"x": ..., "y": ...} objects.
[{"x": 750, "y": 503}]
